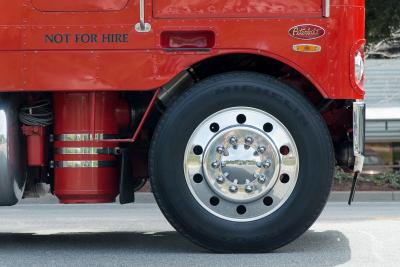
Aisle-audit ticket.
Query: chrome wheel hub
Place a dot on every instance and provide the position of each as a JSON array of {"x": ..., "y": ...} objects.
[
  {"x": 242, "y": 170},
  {"x": 241, "y": 164}
]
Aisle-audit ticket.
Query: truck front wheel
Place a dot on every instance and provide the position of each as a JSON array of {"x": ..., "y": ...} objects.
[{"x": 241, "y": 163}]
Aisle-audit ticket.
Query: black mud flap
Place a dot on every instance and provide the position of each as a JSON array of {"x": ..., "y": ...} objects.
[
  {"x": 126, "y": 183},
  {"x": 353, "y": 188}
]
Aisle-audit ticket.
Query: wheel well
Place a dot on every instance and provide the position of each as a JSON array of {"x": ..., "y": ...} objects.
[
  {"x": 260, "y": 64},
  {"x": 336, "y": 113}
]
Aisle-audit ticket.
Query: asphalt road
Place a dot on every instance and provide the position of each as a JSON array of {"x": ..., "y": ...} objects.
[{"x": 366, "y": 234}]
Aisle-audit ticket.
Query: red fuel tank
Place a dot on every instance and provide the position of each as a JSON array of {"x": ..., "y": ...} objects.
[{"x": 86, "y": 167}]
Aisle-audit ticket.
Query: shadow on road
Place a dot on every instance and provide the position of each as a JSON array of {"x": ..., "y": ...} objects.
[
  {"x": 169, "y": 242},
  {"x": 328, "y": 248}
]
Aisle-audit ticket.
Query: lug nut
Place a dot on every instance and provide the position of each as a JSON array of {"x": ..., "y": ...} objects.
[
  {"x": 261, "y": 178},
  {"x": 233, "y": 140},
  {"x": 233, "y": 188},
  {"x": 249, "y": 140},
  {"x": 261, "y": 149},
  {"x": 220, "y": 179},
  {"x": 215, "y": 164},
  {"x": 248, "y": 188},
  {"x": 220, "y": 150},
  {"x": 267, "y": 163}
]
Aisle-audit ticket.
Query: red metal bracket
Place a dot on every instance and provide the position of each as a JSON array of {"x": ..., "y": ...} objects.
[{"x": 140, "y": 126}]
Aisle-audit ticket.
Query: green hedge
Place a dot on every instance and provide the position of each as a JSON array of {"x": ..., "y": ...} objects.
[{"x": 389, "y": 178}]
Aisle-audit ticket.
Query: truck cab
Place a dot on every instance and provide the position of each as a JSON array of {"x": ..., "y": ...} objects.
[{"x": 237, "y": 112}]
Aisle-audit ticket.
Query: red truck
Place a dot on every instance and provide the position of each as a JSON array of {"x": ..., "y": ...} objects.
[{"x": 237, "y": 111}]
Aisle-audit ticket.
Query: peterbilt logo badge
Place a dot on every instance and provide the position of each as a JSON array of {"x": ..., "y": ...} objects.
[{"x": 306, "y": 32}]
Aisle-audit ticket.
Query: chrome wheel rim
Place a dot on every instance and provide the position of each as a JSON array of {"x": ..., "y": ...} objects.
[{"x": 241, "y": 164}]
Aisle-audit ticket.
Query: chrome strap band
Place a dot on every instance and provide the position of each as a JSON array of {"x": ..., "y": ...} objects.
[
  {"x": 84, "y": 164},
  {"x": 85, "y": 137},
  {"x": 87, "y": 150}
]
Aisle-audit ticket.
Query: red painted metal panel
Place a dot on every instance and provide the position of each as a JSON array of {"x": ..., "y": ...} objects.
[
  {"x": 360, "y": 3},
  {"x": 79, "y": 5},
  {"x": 11, "y": 12},
  {"x": 62, "y": 70},
  {"x": 138, "y": 62},
  {"x": 11, "y": 38},
  {"x": 11, "y": 65},
  {"x": 237, "y": 8}
]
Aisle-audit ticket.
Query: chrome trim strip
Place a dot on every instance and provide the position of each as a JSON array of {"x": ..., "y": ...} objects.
[
  {"x": 84, "y": 164},
  {"x": 327, "y": 8},
  {"x": 85, "y": 137},
  {"x": 86, "y": 150},
  {"x": 359, "y": 134}
]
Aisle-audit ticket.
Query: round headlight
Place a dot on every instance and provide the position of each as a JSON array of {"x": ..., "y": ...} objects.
[{"x": 358, "y": 67}]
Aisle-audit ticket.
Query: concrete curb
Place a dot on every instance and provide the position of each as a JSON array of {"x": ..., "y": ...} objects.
[
  {"x": 363, "y": 196},
  {"x": 373, "y": 196},
  {"x": 141, "y": 197}
]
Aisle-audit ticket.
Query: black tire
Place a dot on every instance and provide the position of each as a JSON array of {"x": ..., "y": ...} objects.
[{"x": 222, "y": 91}]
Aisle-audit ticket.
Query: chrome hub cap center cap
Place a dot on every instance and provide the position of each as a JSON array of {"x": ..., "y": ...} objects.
[{"x": 241, "y": 163}]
